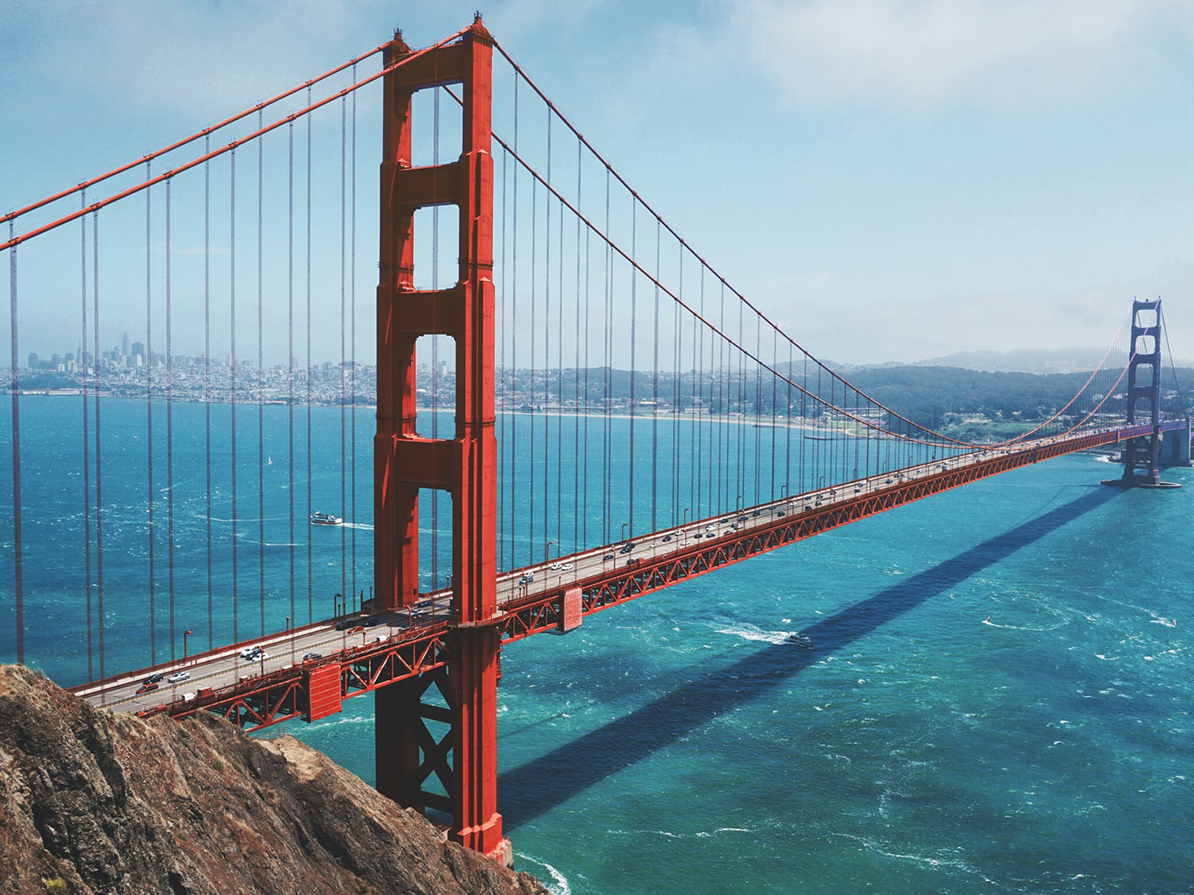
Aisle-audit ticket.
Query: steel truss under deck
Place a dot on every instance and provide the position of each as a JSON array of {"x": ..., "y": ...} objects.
[{"x": 312, "y": 690}]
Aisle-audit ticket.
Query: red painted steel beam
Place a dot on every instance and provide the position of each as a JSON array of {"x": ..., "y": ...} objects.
[
  {"x": 256, "y": 702},
  {"x": 466, "y": 465},
  {"x": 544, "y": 612}
]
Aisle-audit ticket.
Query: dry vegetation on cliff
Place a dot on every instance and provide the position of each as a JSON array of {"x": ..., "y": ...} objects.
[{"x": 103, "y": 803}]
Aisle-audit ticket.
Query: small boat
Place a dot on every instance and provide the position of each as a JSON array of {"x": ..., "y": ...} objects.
[
  {"x": 799, "y": 640},
  {"x": 318, "y": 518}
]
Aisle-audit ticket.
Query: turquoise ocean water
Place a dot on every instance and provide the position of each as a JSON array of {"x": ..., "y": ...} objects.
[{"x": 996, "y": 693}]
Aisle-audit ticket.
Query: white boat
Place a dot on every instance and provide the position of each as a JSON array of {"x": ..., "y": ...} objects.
[{"x": 318, "y": 518}]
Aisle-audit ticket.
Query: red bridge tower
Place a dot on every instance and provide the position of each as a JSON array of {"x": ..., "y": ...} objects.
[{"x": 408, "y": 750}]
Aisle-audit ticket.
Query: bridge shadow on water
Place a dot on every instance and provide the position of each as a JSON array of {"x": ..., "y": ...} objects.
[{"x": 533, "y": 788}]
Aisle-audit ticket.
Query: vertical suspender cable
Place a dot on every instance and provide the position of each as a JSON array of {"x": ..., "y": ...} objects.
[
  {"x": 169, "y": 424},
  {"x": 343, "y": 352},
  {"x": 352, "y": 291},
  {"x": 633, "y": 327},
  {"x": 15, "y": 391},
  {"x": 694, "y": 445},
  {"x": 788, "y": 428},
  {"x": 584, "y": 525},
  {"x": 149, "y": 422},
  {"x": 232, "y": 384},
  {"x": 721, "y": 407},
  {"x": 771, "y": 495},
  {"x": 677, "y": 360},
  {"x": 547, "y": 342},
  {"x": 207, "y": 378},
  {"x": 803, "y": 420},
  {"x": 531, "y": 418},
  {"x": 607, "y": 325},
  {"x": 310, "y": 545},
  {"x": 757, "y": 450},
  {"x": 260, "y": 382},
  {"x": 655, "y": 393},
  {"x": 86, "y": 432},
  {"x": 560, "y": 396},
  {"x": 99, "y": 466},
  {"x": 580, "y": 511},
  {"x": 502, "y": 378},
  {"x": 514, "y": 341},
  {"x": 699, "y": 353},
  {"x": 740, "y": 465},
  {"x": 290, "y": 353}
]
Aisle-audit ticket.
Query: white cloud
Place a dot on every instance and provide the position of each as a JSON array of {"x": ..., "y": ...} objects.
[{"x": 922, "y": 53}]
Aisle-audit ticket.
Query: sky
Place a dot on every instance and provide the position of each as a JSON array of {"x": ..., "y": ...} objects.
[{"x": 889, "y": 180}]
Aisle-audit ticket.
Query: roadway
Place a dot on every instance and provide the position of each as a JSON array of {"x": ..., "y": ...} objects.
[{"x": 226, "y": 666}]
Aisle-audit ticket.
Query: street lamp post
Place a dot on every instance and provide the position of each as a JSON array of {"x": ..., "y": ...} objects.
[
  {"x": 184, "y": 643},
  {"x": 547, "y": 551},
  {"x": 624, "y": 524}
]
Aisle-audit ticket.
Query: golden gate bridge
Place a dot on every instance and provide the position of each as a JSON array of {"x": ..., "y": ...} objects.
[{"x": 573, "y": 409}]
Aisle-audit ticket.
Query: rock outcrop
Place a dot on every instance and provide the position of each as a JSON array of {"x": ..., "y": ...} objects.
[{"x": 92, "y": 802}]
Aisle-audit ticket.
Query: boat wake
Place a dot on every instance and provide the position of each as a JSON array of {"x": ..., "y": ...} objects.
[{"x": 750, "y": 632}]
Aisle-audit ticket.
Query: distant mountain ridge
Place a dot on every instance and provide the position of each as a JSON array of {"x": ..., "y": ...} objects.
[{"x": 1061, "y": 360}]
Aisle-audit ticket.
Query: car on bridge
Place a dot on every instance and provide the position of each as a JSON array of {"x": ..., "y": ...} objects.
[
  {"x": 148, "y": 686},
  {"x": 179, "y": 676},
  {"x": 310, "y": 657},
  {"x": 627, "y": 547},
  {"x": 153, "y": 679}
]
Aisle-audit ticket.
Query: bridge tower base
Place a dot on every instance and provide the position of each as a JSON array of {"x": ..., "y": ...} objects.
[
  {"x": 1142, "y": 455},
  {"x": 436, "y": 735}
]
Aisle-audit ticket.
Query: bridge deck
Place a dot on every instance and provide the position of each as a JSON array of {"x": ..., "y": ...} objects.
[{"x": 373, "y": 652}]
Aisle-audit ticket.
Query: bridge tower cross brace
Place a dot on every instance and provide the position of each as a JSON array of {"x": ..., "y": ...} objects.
[
  {"x": 1144, "y": 451},
  {"x": 409, "y": 749}
]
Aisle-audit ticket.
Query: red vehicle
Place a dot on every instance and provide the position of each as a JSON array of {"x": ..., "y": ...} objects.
[{"x": 147, "y": 687}]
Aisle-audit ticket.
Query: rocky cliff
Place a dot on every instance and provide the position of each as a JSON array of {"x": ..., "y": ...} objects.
[{"x": 92, "y": 802}]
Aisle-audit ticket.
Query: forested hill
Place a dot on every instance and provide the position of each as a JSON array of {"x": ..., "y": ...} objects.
[{"x": 929, "y": 394}]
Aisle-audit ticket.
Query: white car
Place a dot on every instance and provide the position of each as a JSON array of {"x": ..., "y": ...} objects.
[{"x": 179, "y": 676}]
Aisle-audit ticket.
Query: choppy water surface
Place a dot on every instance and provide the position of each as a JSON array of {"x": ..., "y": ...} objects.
[
  {"x": 995, "y": 696},
  {"x": 994, "y": 693}
]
